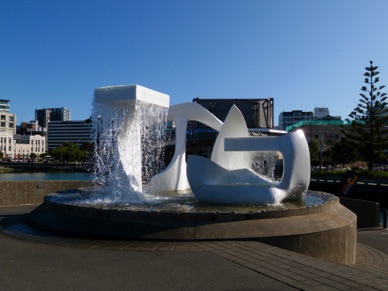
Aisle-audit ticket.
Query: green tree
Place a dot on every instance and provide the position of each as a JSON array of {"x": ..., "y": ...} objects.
[
  {"x": 88, "y": 149},
  {"x": 33, "y": 156},
  {"x": 68, "y": 152},
  {"x": 367, "y": 132},
  {"x": 343, "y": 153},
  {"x": 314, "y": 150}
]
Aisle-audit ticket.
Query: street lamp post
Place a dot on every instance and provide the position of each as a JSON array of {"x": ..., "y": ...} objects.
[
  {"x": 322, "y": 145},
  {"x": 61, "y": 152},
  {"x": 324, "y": 140}
]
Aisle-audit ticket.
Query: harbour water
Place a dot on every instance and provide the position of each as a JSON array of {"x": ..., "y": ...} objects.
[{"x": 20, "y": 176}]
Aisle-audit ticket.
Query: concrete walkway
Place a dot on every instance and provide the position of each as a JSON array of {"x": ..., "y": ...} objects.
[{"x": 34, "y": 260}]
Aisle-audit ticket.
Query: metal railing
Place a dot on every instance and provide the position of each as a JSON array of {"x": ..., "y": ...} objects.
[{"x": 363, "y": 183}]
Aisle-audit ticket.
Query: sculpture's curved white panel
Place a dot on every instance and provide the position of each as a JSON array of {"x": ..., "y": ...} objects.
[
  {"x": 174, "y": 176},
  {"x": 234, "y": 126},
  {"x": 217, "y": 184},
  {"x": 212, "y": 183},
  {"x": 296, "y": 158}
]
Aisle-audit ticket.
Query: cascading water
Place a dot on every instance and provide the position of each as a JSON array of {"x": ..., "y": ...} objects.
[
  {"x": 267, "y": 164},
  {"x": 130, "y": 142}
]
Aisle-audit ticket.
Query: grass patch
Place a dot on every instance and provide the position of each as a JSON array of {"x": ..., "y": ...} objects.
[{"x": 7, "y": 170}]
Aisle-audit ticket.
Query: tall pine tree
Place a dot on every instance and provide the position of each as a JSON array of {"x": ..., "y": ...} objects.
[{"x": 368, "y": 129}]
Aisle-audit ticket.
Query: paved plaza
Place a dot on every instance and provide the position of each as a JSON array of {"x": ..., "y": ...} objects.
[{"x": 34, "y": 260}]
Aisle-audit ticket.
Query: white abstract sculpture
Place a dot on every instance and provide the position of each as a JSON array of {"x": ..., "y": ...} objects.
[
  {"x": 229, "y": 179},
  {"x": 174, "y": 178},
  {"x": 218, "y": 185},
  {"x": 234, "y": 126},
  {"x": 226, "y": 177},
  {"x": 296, "y": 160}
]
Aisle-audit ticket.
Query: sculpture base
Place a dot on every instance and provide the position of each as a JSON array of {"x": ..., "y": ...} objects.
[{"x": 327, "y": 231}]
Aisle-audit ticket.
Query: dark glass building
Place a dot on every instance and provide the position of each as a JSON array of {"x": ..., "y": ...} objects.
[{"x": 44, "y": 115}]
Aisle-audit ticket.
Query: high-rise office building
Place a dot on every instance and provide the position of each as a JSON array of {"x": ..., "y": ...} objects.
[{"x": 44, "y": 115}]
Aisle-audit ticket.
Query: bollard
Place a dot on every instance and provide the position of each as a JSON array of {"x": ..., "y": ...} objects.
[{"x": 385, "y": 218}]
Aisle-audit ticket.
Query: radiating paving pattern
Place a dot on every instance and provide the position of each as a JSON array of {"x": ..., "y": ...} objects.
[
  {"x": 300, "y": 271},
  {"x": 371, "y": 258}
]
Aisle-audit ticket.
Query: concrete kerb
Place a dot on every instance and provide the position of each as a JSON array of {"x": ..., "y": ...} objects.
[{"x": 15, "y": 193}]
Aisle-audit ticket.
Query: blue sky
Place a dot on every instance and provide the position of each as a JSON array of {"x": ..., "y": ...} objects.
[{"x": 304, "y": 54}]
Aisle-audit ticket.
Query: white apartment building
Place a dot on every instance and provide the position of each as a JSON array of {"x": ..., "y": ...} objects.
[
  {"x": 15, "y": 146},
  {"x": 25, "y": 145},
  {"x": 6, "y": 144},
  {"x": 21, "y": 146},
  {"x": 7, "y": 128},
  {"x": 4, "y": 105},
  {"x": 7, "y": 122}
]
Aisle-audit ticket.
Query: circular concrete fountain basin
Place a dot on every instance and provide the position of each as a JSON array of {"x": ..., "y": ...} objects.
[{"x": 323, "y": 228}]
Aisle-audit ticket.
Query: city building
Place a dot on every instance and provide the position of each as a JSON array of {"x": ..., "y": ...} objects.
[
  {"x": 320, "y": 112},
  {"x": 31, "y": 127},
  {"x": 258, "y": 113},
  {"x": 7, "y": 122},
  {"x": 326, "y": 131},
  {"x": 20, "y": 147},
  {"x": 7, "y": 119},
  {"x": 25, "y": 145},
  {"x": 6, "y": 144},
  {"x": 4, "y": 105},
  {"x": 77, "y": 131},
  {"x": 45, "y": 115},
  {"x": 12, "y": 145},
  {"x": 288, "y": 118}
]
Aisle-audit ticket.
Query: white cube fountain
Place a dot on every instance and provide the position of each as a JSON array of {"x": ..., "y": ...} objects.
[{"x": 126, "y": 119}]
